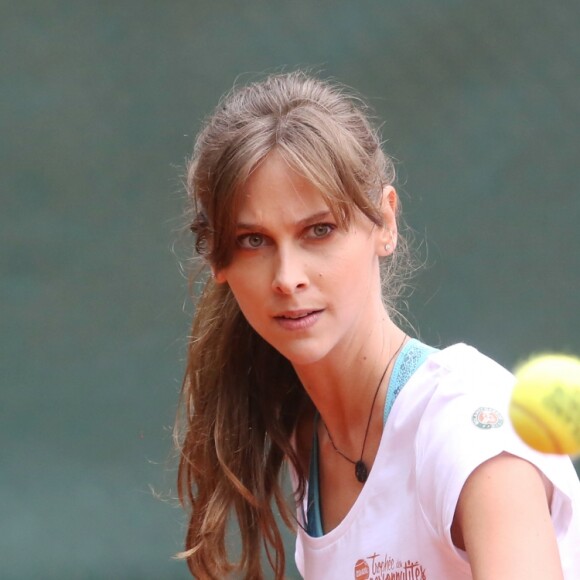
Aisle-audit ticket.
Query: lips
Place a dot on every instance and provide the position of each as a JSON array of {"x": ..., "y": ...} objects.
[
  {"x": 297, "y": 319},
  {"x": 296, "y": 314}
]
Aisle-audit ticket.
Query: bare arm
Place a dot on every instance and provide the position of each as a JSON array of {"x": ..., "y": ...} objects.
[{"x": 503, "y": 522}]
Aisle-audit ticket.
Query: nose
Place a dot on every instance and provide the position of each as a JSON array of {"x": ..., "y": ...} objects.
[{"x": 289, "y": 272}]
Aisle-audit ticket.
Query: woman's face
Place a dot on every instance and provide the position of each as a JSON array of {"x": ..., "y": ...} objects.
[{"x": 309, "y": 287}]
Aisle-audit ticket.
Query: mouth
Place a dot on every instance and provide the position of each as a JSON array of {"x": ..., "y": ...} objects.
[
  {"x": 298, "y": 320},
  {"x": 296, "y": 314}
]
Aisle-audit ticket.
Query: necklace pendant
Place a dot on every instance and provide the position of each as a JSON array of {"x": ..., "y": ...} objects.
[{"x": 361, "y": 471}]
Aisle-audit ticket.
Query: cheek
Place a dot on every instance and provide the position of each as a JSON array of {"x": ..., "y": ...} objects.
[
  {"x": 351, "y": 279},
  {"x": 344, "y": 287},
  {"x": 248, "y": 302},
  {"x": 247, "y": 287},
  {"x": 352, "y": 267}
]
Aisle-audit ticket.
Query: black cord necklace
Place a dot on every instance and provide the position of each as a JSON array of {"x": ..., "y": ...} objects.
[{"x": 361, "y": 471}]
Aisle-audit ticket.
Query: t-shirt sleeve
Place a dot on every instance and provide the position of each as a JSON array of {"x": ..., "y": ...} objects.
[{"x": 465, "y": 423}]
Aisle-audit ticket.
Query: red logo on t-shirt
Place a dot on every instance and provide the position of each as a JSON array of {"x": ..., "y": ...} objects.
[
  {"x": 361, "y": 570},
  {"x": 384, "y": 567}
]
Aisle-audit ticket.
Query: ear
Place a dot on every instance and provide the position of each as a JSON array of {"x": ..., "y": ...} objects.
[
  {"x": 387, "y": 238},
  {"x": 218, "y": 275}
]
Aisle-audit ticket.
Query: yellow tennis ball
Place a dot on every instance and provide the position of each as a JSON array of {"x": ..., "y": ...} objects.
[{"x": 545, "y": 404}]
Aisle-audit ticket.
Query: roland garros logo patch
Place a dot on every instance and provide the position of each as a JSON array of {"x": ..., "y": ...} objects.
[{"x": 487, "y": 418}]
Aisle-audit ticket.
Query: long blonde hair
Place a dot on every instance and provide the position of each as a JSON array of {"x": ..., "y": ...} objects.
[{"x": 241, "y": 400}]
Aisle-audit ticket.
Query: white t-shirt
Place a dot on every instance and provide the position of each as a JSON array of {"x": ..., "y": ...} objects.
[{"x": 451, "y": 416}]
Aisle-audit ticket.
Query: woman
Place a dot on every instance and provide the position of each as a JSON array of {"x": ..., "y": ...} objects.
[{"x": 402, "y": 461}]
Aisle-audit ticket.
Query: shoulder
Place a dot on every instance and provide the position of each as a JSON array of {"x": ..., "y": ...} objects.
[
  {"x": 466, "y": 362},
  {"x": 464, "y": 419},
  {"x": 452, "y": 380},
  {"x": 449, "y": 387}
]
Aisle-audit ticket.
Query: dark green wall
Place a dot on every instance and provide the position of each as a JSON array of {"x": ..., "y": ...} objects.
[{"x": 100, "y": 104}]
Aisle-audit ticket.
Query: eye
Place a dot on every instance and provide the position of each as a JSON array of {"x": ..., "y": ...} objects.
[
  {"x": 251, "y": 241},
  {"x": 321, "y": 230}
]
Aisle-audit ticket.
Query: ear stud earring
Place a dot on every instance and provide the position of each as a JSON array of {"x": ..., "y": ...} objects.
[{"x": 388, "y": 247}]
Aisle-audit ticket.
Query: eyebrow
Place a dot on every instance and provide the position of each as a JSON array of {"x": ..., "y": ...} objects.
[{"x": 321, "y": 215}]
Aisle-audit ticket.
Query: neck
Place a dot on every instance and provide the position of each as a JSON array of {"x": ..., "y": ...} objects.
[{"x": 343, "y": 387}]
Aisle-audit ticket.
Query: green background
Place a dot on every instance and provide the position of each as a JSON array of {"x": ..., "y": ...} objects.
[{"x": 100, "y": 105}]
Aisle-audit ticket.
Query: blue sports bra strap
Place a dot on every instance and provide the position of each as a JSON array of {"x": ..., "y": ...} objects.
[{"x": 412, "y": 356}]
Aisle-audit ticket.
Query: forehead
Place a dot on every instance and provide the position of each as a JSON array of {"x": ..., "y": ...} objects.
[{"x": 276, "y": 192}]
